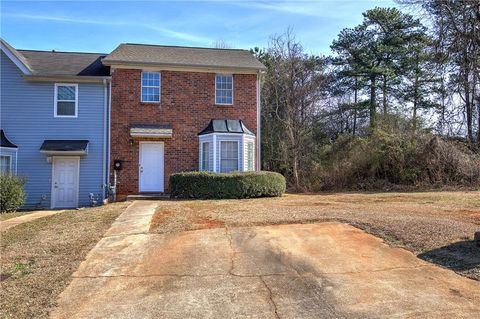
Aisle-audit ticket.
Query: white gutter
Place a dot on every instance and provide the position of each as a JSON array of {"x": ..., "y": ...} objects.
[
  {"x": 259, "y": 127},
  {"x": 104, "y": 159},
  {"x": 109, "y": 116}
]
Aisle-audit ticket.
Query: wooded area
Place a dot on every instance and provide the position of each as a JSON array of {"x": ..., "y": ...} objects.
[{"x": 397, "y": 103}]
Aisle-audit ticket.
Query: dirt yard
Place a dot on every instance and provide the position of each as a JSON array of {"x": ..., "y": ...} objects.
[
  {"x": 37, "y": 258},
  {"x": 438, "y": 226}
]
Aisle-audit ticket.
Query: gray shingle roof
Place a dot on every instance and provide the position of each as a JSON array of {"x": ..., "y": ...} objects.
[
  {"x": 52, "y": 63},
  {"x": 128, "y": 53}
]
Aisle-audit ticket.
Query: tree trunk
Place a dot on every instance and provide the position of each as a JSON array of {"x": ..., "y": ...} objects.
[
  {"x": 373, "y": 105},
  {"x": 384, "y": 92},
  {"x": 415, "y": 99},
  {"x": 355, "y": 108}
]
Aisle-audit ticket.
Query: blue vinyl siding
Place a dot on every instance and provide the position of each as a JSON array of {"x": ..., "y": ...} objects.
[{"x": 27, "y": 116}]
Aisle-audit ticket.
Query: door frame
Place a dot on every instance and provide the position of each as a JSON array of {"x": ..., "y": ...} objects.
[
  {"x": 52, "y": 190},
  {"x": 140, "y": 161}
]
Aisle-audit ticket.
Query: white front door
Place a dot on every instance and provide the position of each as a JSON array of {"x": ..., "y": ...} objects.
[
  {"x": 151, "y": 167},
  {"x": 65, "y": 175}
]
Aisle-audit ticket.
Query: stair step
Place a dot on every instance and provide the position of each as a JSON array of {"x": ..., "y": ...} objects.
[{"x": 149, "y": 196}]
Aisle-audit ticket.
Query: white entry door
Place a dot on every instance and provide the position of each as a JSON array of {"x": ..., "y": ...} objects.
[
  {"x": 65, "y": 176},
  {"x": 151, "y": 167}
]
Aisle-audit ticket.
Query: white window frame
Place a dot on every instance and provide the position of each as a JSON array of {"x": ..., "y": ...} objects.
[
  {"x": 220, "y": 74},
  {"x": 220, "y": 155},
  {"x": 203, "y": 168},
  {"x": 10, "y": 163},
  {"x": 253, "y": 156},
  {"x": 56, "y": 100},
  {"x": 149, "y": 86}
]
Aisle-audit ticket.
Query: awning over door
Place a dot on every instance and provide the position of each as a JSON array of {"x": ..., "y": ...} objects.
[
  {"x": 5, "y": 142},
  {"x": 64, "y": 147},
  {"x": 151, "y": 131}
]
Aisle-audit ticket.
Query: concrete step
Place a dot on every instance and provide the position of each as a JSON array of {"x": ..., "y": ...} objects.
[{"x": 149, "y": 196}]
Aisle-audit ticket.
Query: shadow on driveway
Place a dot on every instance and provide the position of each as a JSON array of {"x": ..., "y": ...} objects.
[{"x": 461, "y": 256}]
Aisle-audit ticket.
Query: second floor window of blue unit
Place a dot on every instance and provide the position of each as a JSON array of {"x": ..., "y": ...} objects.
[
  {"x": 66, "y": 100},
  {"x": 224, "y": 89},
  {"x": 151, "y": 87}
]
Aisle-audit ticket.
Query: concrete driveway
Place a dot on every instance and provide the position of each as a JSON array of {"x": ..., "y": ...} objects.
[{"x": 328, "y": 270}]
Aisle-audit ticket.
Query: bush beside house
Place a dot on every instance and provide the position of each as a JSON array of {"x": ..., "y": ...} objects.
[
  {"x": 12, "y": 194},
  {"x": 207, "y": 185}
]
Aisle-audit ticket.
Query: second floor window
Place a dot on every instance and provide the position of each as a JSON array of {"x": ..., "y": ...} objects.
[
  {"x": 151, "y": 87},
  {"x": 66, "y": 100},
  {"x": 223, "y": 89}
]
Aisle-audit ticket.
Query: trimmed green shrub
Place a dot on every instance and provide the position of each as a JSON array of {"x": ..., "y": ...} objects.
[
  {"x": 208, "y": 185},
  {"x": 12, "y": 194}
]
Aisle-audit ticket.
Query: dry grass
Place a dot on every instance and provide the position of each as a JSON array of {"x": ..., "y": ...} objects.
[
  {"x": 38, "y": 257},
  {"x": 5, "y": 216},
  {"x": 439, "y": 226}
]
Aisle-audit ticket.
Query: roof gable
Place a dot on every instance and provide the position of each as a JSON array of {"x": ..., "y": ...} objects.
[{"x": 17, "y": 58}]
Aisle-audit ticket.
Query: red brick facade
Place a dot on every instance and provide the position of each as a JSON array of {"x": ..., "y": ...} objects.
[{"x": 187, "y": 103}]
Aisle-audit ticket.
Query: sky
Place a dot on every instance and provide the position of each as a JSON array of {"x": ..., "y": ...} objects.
[{"x": 99, "y": 26}]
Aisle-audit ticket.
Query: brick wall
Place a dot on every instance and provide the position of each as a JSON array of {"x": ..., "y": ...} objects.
[{"x": 187, "y": 103}]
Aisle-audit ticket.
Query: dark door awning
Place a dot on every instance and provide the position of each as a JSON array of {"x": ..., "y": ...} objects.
[
  {"x": 5, "y": 142},
  {"x": 64, "y": 147}
]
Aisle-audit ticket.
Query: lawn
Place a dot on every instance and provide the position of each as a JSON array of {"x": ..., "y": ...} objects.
[
  {"x": 5, "y": 216},
  {"x": 38, "y": 257},
  {"x": 437, "y": 226}
]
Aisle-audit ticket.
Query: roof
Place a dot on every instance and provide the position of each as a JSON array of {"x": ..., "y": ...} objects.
[
  {"x": 5, "y": 142},
  {"x": 226, "y": 126},
  {"x": 53, "y": 63},
  {"x": 64, "y": 145},
  {"x": 17, "y": 55},
  {"x": 143, "y": 54},
  {"x": 146, "y": 130}
]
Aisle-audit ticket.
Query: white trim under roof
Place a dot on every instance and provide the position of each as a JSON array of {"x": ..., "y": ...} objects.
[{"x": 13, "y": 56}]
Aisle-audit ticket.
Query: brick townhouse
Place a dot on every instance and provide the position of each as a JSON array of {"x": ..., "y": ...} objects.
[{"x": 177, "y": 109}]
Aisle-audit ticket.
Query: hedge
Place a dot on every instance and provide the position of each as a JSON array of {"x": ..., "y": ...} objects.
[
  {"x": 208, "y": 185},
  {"x": 12, "y": 194}
]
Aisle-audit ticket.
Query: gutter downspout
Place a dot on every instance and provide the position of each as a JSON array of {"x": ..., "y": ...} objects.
[
  {"x": 259, "y": 127},
  {"x": 109, "y": 134},
  {"x": 105, "y": 101}
]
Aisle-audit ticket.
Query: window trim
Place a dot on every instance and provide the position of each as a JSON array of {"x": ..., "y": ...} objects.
[
  {"x": 149, "y": 86},
  {"x": 220, "y": 155},
  {"x": 223, "y": 74},
  {"x": 55, "y": 100},
  {"x": 252, "y": 144},
  {"x": 202, "y": 165},
  {"x": 10, "y": 163}
]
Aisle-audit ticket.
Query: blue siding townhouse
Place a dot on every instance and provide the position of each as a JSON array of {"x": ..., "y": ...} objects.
[{"x": 54, "y": 124}]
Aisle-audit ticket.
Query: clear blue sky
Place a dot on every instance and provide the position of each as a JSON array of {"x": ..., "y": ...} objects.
[{"x": 101, "y": 26}]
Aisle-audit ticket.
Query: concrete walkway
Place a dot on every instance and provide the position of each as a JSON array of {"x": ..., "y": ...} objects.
[
  {"x": 12, "y": 222},
  {"x": 327, "y": 270}
]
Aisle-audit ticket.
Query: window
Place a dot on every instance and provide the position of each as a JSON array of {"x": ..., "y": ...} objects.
[
  {"x": 5, "y": 164},
  {"x": 250, "y": 156},
  {"x": 228, "y": 156},
  {"x": 151, "y": 87},
  {"x": 205, "y": 156},
  {"x": 223, "y": 89},
  {"x": 66, "y": 100}
]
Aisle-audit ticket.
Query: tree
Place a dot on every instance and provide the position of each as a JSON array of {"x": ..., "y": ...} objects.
[
  {"x": 456, "y": 29},
  {"x": 375, "y": 50},
  {"x": 291, "y": 93}
]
